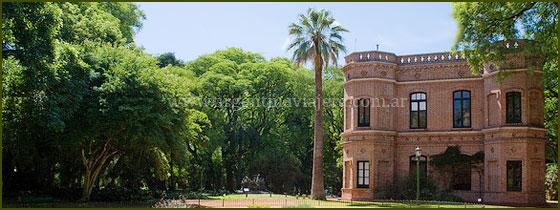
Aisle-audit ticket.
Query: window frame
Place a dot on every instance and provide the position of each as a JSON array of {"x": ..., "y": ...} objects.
[
  {"x": 462, "y": 99},
  {"x": 515, "y": 106},
  {"x": 417, "y": 112},
  {"x": 519, "y": 173},
  {"x": 367, "y": 111},
  {"x": 364, "y": 174}
]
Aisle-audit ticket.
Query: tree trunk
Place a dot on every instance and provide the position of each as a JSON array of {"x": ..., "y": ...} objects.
[
  {"x": 317, "y": 182},
  {"x": 93, "y": 165},
  {"x": 172, "y": 181},
  {"x": 228, "y": 165}
]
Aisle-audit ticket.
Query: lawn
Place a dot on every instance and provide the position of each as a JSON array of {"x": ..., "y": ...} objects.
[
  {"x": 254, "y": 196},
  {"x": 262, "y": 201},
  {"x": 279, "y": 200}
]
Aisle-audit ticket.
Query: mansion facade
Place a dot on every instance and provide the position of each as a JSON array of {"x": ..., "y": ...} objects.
[{"x": 441, "y": 104}]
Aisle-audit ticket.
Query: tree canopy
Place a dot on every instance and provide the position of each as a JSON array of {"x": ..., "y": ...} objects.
[
  {"x": 482, "y": 24},
  {"x": 88, "y": 115}
]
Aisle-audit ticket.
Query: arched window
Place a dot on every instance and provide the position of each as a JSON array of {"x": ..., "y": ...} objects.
[
  {"x": 423, "y": 167},
  {"x": 363, "y": 112},
  {"x": 418, "y": 113},
  {"x": 462, "y": 109},
  {"x": 513, "y": 107}
]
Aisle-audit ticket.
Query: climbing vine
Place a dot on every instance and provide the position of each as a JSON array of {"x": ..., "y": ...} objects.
[{"x": 452, "y": 161}]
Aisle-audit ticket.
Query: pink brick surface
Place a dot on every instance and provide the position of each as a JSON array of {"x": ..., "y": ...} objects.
[{"x": 388, "y": 142}]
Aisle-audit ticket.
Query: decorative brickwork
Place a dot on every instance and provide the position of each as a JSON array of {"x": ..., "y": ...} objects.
[{"x": 388, "y": 142}]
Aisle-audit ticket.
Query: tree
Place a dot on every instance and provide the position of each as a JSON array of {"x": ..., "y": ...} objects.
[
  {"x": 317, "y": 37},
  {"x": 78, "y": 94},
  {"x": 334, "y": 126},
  {"x": 169, "y": 59},
  {"x": 481, "y": 24},
  {"x": 28, "y": 32},
  {"x": 129, "y": 15}
]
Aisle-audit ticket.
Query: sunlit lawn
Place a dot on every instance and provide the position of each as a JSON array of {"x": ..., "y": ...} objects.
[{"x": 308, "y": 203}]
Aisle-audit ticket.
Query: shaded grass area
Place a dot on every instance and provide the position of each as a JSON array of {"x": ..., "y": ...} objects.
[
  {"x": 95, "y": 204},
  {"x": 253, "y": 196}
]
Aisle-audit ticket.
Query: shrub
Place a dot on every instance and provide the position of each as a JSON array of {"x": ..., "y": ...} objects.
[
  {"x": 188, "y": 194},
  {"x": 406, "y": 190},
  {"x": 122, "y": 194},
  {"x": 551, "y": 181},
  {"x": 448, "y": 197},
  {"x": 217, "y": 192}
]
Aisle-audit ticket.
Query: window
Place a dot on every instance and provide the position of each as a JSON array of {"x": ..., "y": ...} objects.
[
  {"x": 418, "y": 114},
  {"x": 513, "y": 107},
  {"x": 513, "y": 175},
  {"x": 462, "y": 178},
  {"x": 363, "y": 174},
  {"x": 363, "y": 112},
  {"x": 462, "y": 109},
  {"x": 423, "y": 167}
]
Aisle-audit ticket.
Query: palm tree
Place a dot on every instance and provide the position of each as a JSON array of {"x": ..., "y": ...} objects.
[{"x": 316, "y": 36}]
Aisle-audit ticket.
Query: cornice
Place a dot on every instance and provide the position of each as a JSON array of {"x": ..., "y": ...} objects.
[{"x": 369, "y": 64}]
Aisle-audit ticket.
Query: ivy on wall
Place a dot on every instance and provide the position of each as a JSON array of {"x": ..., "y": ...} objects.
[{"x": 452, "y": 162}]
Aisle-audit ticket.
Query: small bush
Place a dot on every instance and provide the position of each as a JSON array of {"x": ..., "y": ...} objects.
[
  {"x": 123, "y": 194},
  {"x": 448, "y": 197},
  {"x": 217, "y": 192},
  {"x": 188, "y": 194},
  {"x": 551, "y": 181},
  {"x": 406, "y": 190}
]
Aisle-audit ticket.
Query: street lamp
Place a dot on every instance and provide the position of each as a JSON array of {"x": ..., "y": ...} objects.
[{"x": 418, "y": 153}]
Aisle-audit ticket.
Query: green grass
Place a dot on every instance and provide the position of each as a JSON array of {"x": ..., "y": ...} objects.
[
  {"x": 343, "y": 204},
  {"x": 406, "y": 205}
]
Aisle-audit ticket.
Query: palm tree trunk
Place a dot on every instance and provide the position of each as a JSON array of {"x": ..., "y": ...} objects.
[{"x": 317, "y": 182}]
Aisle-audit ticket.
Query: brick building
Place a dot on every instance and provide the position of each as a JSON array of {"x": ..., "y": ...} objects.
[{"x": 394, "y": 104}]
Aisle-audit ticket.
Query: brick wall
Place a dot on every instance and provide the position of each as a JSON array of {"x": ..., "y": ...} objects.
[{"x": 389, "y": 141}]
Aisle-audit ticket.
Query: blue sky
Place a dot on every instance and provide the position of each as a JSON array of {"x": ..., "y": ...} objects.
[{"x": 193, "y": 29}]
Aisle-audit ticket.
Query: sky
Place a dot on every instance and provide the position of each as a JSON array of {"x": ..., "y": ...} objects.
[{"x": 191, "y": 29}]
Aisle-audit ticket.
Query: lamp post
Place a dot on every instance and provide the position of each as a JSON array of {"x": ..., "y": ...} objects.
[{"x": 418, "y": 153}]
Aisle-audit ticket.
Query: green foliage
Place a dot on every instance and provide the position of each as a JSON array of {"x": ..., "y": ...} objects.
[
  {"x": 73, "y": 81},
  {"x": 452, "y": 161},
  {"x": 89, "y": 21},
  {"x": 483, "y": 24},
  {"x": 277, "y": 165},
  {"x": 452, "y": 158},
  {"x": 169, "y": 58},
  {"x": 73, "y": 85},
  {"x": 316, "y": 37},
  {"x": 551, "y": 181},
  {"x": 129, "y": 15},
  {"x": 406, "y": 190}
]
